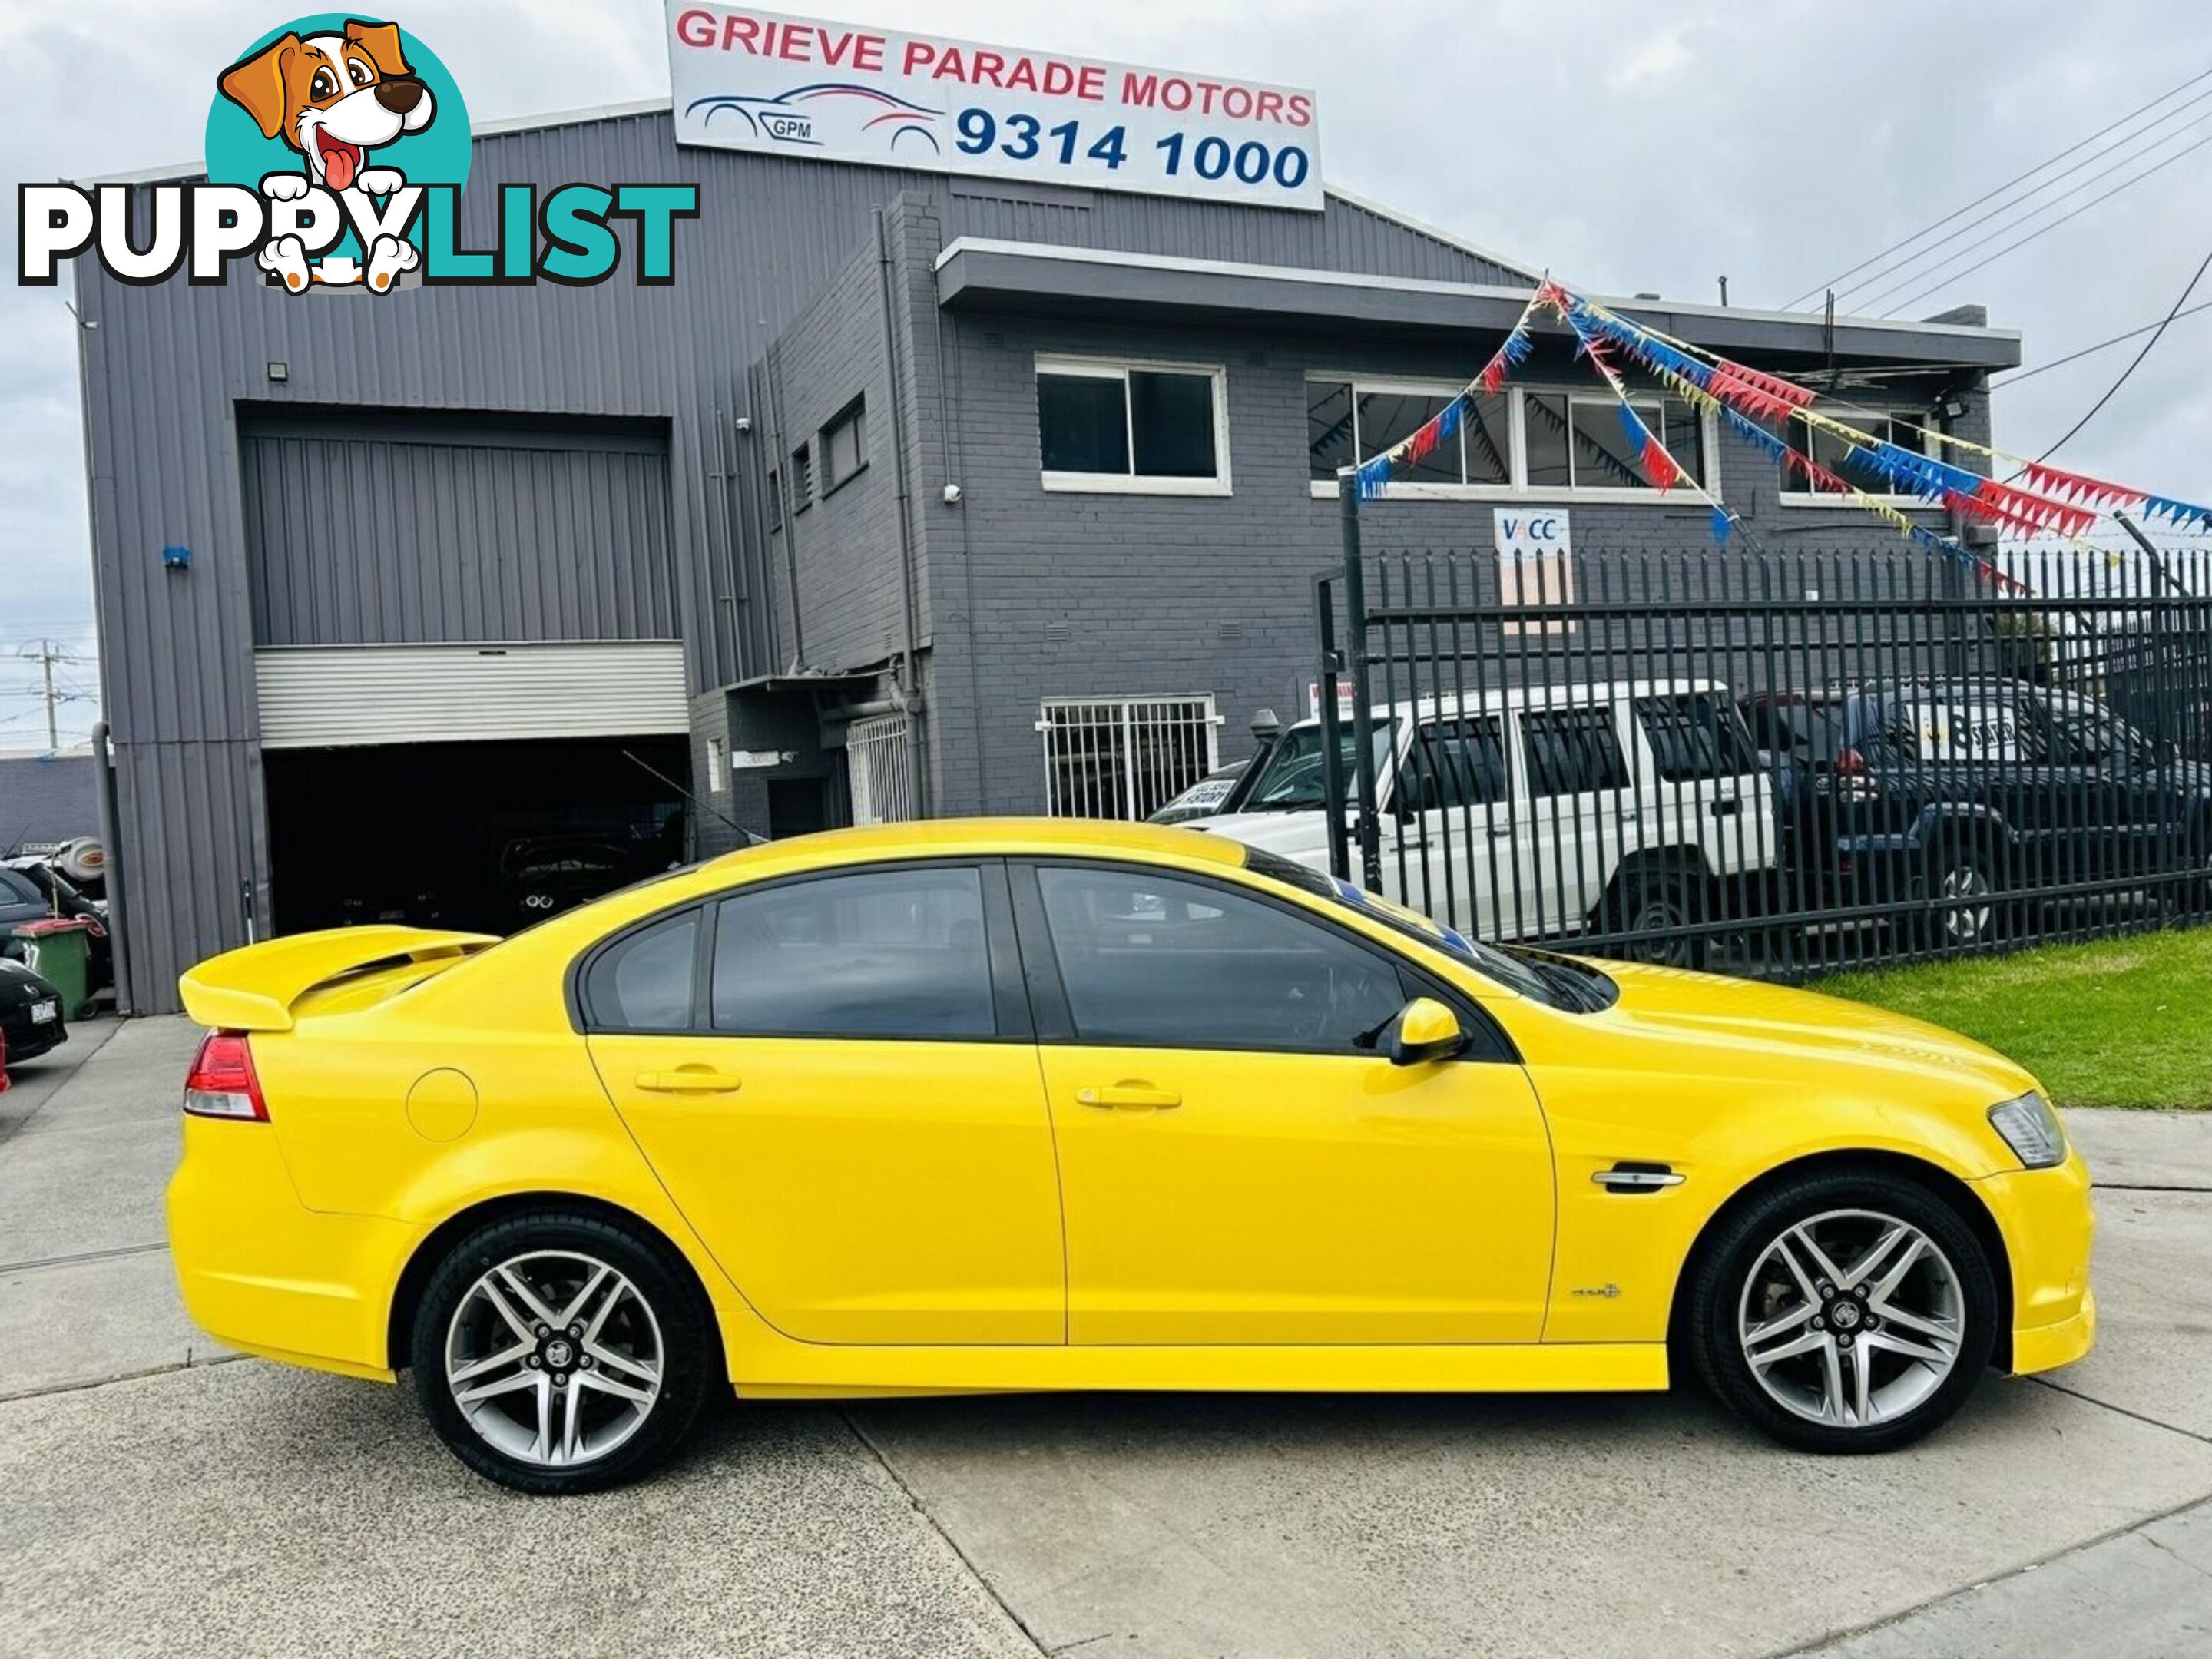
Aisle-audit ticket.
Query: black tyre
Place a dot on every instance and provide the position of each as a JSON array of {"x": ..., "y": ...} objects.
[
  {"x": 1656, "y": 905},
  {"x": 557, "y": 1352},
  {"x": 1842, "y": 1312}
]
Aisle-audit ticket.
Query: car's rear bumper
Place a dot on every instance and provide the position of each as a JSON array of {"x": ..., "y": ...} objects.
[
  {"x": 2049, "y": 1227},
  {"x": 262, "y": 1273},
  {"x": 27, "y": 1041}
]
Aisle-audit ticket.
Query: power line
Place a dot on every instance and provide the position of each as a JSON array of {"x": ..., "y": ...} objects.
[
  {"x": 1818, "y": 287},
  {"x": 2148, "y": 345},
  {"x": 1944, "y": 283},
  {"x": 2018, "y": 211},
  {"x": 2018, "y": 375}
]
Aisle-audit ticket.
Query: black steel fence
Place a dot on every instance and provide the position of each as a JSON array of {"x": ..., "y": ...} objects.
[{"x": 1774, "y": 764}]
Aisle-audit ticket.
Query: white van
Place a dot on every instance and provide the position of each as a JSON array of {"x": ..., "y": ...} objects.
[{"x": 1638, "y": 807}]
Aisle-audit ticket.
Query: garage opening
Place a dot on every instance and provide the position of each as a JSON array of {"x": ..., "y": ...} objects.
[{"x": 486, "y": 837}]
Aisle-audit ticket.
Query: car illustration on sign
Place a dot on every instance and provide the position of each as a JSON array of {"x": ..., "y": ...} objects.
[{"x": 828, "y": 115}]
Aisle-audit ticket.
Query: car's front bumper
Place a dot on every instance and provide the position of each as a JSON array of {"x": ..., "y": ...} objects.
[
  {"x": 261, "y": 1272},
  {"x": 2048, "y": 1225}
]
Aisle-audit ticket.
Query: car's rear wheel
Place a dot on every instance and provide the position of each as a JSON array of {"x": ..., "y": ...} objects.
[
  {"x": 1850, "y": 1312},
  {"x": 557, "y": 1352},
  {"x": 1656, "y": 906}
]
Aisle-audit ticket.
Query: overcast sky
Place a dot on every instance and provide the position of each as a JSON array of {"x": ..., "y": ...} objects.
[{"x": 1629, "y": 146}]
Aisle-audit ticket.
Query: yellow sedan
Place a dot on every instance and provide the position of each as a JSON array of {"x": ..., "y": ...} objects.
[{"x": 1031, "y": 1104}]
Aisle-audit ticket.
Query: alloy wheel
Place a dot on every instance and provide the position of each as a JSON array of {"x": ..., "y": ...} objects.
[
  {"x": 554, "y": 1358},
  {"x": 1851, "y": 1318},
  {"x": 1964, "y": 919}
]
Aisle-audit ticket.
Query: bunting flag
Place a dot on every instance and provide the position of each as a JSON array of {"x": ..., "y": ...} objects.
[
  {"x": 1660, "y": 468},
  {"x": 2057, "y": 500},
  {"x": 1444, "y": 424}
]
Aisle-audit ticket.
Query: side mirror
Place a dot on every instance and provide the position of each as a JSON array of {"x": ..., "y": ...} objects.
[{"x": 1425, "y": 1030}]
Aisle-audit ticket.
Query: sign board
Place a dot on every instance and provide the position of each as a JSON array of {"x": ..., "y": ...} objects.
[
  {"x": 1344, "y": 704},
  {"x": 838, "y": 92},
  {"x": 1535, "y": 561}
]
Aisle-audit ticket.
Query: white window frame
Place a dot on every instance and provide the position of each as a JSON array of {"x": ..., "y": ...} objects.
[
  {"x": 1126, "y": 711},
  {"x": 715, "y": 765},
  {"x": 1520, "y": 489},
  {"x": 1794, "y": 494},
  {"x": 1132, "y": 482}
]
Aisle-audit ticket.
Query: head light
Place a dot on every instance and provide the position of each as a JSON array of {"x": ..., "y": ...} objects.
[{"x": 2031, "y": 1128}]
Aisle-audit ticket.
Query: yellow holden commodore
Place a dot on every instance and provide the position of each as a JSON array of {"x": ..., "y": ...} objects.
[{"x": 1026, "y": 1104}]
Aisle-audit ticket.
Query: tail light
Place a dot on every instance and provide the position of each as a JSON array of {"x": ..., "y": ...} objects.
[
  {"x": 1853, "y": 780},
  {"x": 222, "y": 1083}
]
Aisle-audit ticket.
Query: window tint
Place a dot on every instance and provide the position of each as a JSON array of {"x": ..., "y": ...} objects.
[
  {"x": 1290, "y": 779},
  {"x": 644, "y": 982},
  {"x": 1572, "y": 751},
  {"x": 1697, "y": 736},
  {"x": 1131, "y": 423},
  {"x": 1456, "y": 763},
  {"x": 1083, "y": 423},
  {"x": 16, "y": 888},
  {"x": 1152, "y": 960},
  {"x": 892, "y": 953},
  {"x": 1171, "y": 423},
  {"x": 2095, "y": 738}
]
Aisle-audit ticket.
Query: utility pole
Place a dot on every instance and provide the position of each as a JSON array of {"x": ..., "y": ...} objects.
[{"x": 46, "y": 653}]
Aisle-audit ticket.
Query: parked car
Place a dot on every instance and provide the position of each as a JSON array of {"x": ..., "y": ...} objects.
[
  {"x": 1635, "y": 808},
  {"x": 31, "y": 1014},
  {"x": 58, "y": 896},
  {"x": 1030, "y": 1104},
  {"x": 1213, "y": 794},
  {"x": 1955, "y": 794}
]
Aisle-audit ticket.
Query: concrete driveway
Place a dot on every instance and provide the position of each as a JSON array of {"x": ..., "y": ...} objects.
[{"x": 157, "y": 1495}]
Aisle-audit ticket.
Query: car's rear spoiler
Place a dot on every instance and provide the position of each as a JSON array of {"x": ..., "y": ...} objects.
[{"x": 254, "y": 988}]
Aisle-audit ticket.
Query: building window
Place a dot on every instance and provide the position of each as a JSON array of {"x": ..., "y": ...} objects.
[
  {"x": 1902, "y": 428},
  {"x": 1349, "y": 421},
  {"x": 1125, "y": 758},
  {"x": 845, "y": 445},
  {"x": 775, "y": 499},
  {"x": 802, "y": 478},
  {"x": 1158, "y": 428},
  {"x": 1518, "y": 441},
  {"x": 715, "y": 754}
]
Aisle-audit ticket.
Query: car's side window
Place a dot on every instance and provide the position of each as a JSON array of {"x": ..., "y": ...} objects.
[
  {"x": 881, "y": 953},
  {"x": 1456, "y": 763},
  {"x": 645, "y": 980},
  {"x": 1696, "y": 735},
  {"x": 1572, "y": 751},
  {"x": 1150, "y": 960}
]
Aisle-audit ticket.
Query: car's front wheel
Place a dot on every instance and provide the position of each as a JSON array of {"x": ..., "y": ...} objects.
[
  {"x": 1845, "y": 1312},
  {"x": 558, "y": 1351}
]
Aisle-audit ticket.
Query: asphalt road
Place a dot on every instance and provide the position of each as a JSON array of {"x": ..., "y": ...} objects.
[{"x": 157, "y": 1495}]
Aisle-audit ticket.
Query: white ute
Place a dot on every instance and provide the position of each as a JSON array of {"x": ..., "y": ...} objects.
[{"x": 1638, "y": 807}]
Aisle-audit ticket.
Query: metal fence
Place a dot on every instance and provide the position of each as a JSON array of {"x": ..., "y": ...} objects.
[
  {"x": 1778, "y": 765},
  {"x": 1125, "y": 758},
  {"x": 879, "y": 770}
]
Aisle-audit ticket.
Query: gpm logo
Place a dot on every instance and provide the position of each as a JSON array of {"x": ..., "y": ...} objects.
[{"x": 337, "y": 148}]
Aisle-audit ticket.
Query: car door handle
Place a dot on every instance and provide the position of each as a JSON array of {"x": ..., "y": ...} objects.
[
  {"x": 1130, "y": 1096},
  {"x": 690, "y": 1080},
  {"x": 1727, "y": 806}
]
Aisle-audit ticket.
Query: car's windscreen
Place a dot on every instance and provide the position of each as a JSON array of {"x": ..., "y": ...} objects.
[
  {"x": 1290, "y": 780},
  {"x": 1558, "y": 984}
]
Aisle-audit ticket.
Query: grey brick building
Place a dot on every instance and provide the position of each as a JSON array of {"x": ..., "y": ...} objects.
[{"x": 487, "y": 587}]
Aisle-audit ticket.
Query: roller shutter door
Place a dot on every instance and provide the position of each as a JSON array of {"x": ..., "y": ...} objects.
[{"x": 335, "y": 694}]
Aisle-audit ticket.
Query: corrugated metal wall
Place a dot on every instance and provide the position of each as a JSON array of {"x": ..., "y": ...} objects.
[
  {"x": 398, "y": 534},
  {"x": 167, "y": 368}
]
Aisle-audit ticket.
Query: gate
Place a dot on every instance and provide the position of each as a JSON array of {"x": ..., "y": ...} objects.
[
  {"x": 879, "y": 770},
  {"x": 1778, "y": 765}
]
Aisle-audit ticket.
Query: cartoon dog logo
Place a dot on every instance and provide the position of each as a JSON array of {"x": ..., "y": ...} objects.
[{"x": 333, "y": 97}]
